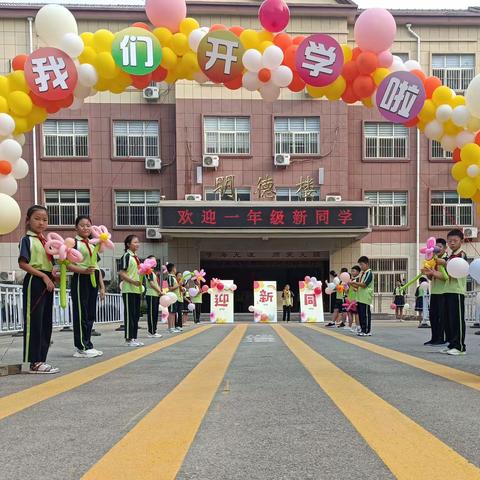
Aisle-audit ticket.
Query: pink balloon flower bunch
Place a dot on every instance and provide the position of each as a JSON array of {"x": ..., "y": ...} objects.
[
  {"x": 102, "y": 238},
  {"x": 146, "y": 268},
  {"x": 62, "y": 248}
]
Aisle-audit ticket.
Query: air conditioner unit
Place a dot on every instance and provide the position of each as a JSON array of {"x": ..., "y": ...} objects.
[
  {"x": 193, "y": 197},
  {"x": 151, "y": 93},
  {"x": 470, "y": 232},
  {"x": 154, "y": 233},
  {"x": 107, "y": 274},
  {"x": 281, "y": 160},
  {"x": 210, "y": 161},
  {"x": 333, "y": 198},
  {"x": 153, "y": 163},
  {"x": 7, "y": 277}
]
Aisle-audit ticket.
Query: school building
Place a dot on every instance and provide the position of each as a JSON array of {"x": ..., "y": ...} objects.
[{"x": 250, "y": 190}]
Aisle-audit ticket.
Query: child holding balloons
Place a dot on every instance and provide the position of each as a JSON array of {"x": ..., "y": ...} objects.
[
  {"x": 38, "y": 288},
  {"x": 152, "y": 296}
]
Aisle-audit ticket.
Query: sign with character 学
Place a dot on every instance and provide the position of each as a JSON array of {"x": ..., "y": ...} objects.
[
  {"x": 311, "y": 303},
  {"x": 265, "y": 301},
  {"x": 221, "y": 301}
]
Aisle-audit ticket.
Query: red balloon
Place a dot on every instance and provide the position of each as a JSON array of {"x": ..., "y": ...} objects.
[
  {"x": 264, "y": 75},
  {"x": 159, "y": 75},
  {"x": 356, "y": 52},
  {"x": 349, "y": 95},
  {"x": 317, "y": 291},
  {"x": 412, "y": 122},
  {"x": 141, "y": 81},
  {"x": 431, "y": 83},
  {"x": 363, "y": 86},
  {"x": 299, "y": 39},
  {"x": 66, "y": 102},
  {"x": 419, "y": 74},
  {"x": 236, "y": 30},
  {"x": 297, "y": 84},
  {"x": 367, "y": 62},
  {"x": 350, "y": 71},
  {"x": 234, "y": 84},
  {"x": 5, "y": 167},
  {"x": 18, "y": 63},
  {"x": 283, "y": 40},
  {"x": 52, "y": 107},
  {"x": 217, "y": 26},
  {"x": 141, "y": 25},
  {"x": 456, "y": 153},
  {"x": 220, "y": 286},
  {"x": 39, "y": 101},
  {"x": 290, "y": 56},
  {"x": 205, "y": 289},
  {"x": 477, "y": 138}
]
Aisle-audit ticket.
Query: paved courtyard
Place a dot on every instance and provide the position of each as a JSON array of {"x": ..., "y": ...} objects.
[{"x": 246, "y": 402}]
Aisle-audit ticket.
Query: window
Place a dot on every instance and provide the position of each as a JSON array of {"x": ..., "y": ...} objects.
[
  {"x": 227, "y": 135},
  {"x": 385, "y": 140},
  {"x": 390, "y": 208},
  {"x": 437, "y": 152},
  {"x": 456, "y": 71},
  {"x": 387, "y": 272},
  {"x": 241, "y": 195},
  {"x": 289, "y": 194},
  {"x": 447, "y": 209},
  {"x": 135, "y": 139},
  {"x": 297, "y": 135},
  {"x": 137, "y": 208},
  {"x": 65, "y": 138},
  {"x": 64, "y": 206},
  {"x": 403, "y": 56}
]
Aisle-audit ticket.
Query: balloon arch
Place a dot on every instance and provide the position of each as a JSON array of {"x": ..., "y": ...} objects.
[{"x": 68, "y": 68}]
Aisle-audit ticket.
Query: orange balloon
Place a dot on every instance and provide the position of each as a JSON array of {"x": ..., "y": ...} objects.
[
  {"x": 477, "y": 138},
  {"x": 5, "y": 167},
  {"x": 141, "y": 25},
  {"x": 363, "y": 86},
  {"x": 356, "y": 52},
  {"x": 349, "y": 95},
  {"x": 264, "y": 75},
  {"x": 298, "y": 39},
  {"x": 141, "y": 81},
  {"x": 419, "y": 74},
  {"x": 456, "y": 155},
  {"x": 237, "y": 30},
  {"x": 234, "y": 84},
  {"x": 159, "y": 75},
  {"x": 297, "y": 84},
  {"x": 283, "y": 40},
  {"x": 350, "y": 72},
  {"x": 367, "y": 63},
  {"x": 18, "y": 63},
  {"x": 412, "y": 122},
  {"x": 217, "y": 26},
  {"x": 290, "y": 56},
  {"x": 431, "y": 83}
]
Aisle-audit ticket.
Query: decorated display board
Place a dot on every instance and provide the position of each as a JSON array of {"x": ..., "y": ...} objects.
[
  {"x": 69, "y": 68},
  {"x": 265, "y": 301},
  {"x": 221, "y": 301},
  {"x": 311, "y": 302}
]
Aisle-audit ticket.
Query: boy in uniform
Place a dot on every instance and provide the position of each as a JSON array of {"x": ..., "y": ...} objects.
[{"x": 364, "y": 288}]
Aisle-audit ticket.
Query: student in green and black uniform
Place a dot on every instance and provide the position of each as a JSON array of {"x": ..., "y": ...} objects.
[
  {"x": 398, "y": 300},
  {"x": 364, "y": 288},
  {"x": 352, "y": 296},
  {"x": 131, "y": 290},
  {"x": 84, "y": 294},
  {"x": 152, "y": 296},
  {"x": 174, "y": 309},
  {"x": 38, "y": 288},
  {"x": 197, "y": 301},
  {"x": 181, "y": 303}
]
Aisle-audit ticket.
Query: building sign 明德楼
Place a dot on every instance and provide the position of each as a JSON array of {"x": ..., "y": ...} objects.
[{"x": 275, "y": 217}]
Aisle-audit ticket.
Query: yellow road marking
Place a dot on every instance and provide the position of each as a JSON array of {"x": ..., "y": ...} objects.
[
  {"x": 408, "y": 450},
  {"x": 459, "y": 376},
  {"x": 156, "y": 447},
  {"x": 16, "y": 402}
]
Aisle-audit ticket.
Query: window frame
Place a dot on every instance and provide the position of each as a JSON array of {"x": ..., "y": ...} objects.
[
  {"x": 131, "y": 204},
  {"x": 44, "y": 155},
  {"x": 392, "y": 205},
  {"x": 50, "y": 205},
  {"x": 238, "y": 190},
  {"x": 434, "y": 70},
  {"x": 114, "y": 155},
  {"x": 384, "y": 159},
  {"x": 297, "y": 133},
  {"x": 235, "y": 132},
  {"x": 444, "y": 205},
  {"x": 293, "y": 190},
  {"x": 394, "y": 273},
  {"x": 444, "y": 159}
]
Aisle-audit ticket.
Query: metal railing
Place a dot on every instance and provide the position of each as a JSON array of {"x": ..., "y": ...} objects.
[{"x": 11, "y": 309}]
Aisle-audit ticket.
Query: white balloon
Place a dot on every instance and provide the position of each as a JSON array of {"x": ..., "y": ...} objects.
[
  {"x": 10, "y": 214},
  {"x": 424, "y": 286},
  {"x": 19, "y": 169},
  {"x": 77, "y": 103},
  {"x": 272, "y": 57},
  {"x": 251, "y": 82},
  {"x": 460, "y": 115},
  {"x": 20, "y": 139},
  {"x": 53, "y": 22},
  {"x": 397, "y": 65},
  {"x": 282, "y": 76},
  {"x": 269, "y": 92},
  {"x": 449, "y": 143},
  {"x": 8, "y": 185},
  {"x": 457, "y": 267},
  {"x": 252, "y": 60},
  {"x": 443, "y": 113},
  {"x": 472, "y": 96},
  {"x": 7, "y": 124},
  {"x": 81, "y": 91},
  {"x": 473, "y": 170},
  {"x": 195, "y": 38},
  {"x": 72, "y": 44},
  {"x": 200, "y": 77},
  {"x": 336, "y": 281},
  {"x": 433, "y": 130},
  {"x": 172, "y": 296},
  {"x": 463, "y": 138},
  {"x": 87, "y": 75},
  {"x": 10, "y": 150},
  {"x": 474, "y": 270},
  {"x": 412, "y": 65}
]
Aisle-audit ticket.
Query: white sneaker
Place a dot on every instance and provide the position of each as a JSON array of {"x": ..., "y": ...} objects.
[
  {"x": 179, "y": 329},
  {"x": 359, "y": 329},
  {"x": 444, "y": 350},
  {"x": 150, "y": 335},
  {"x": 368, "y": 334},
  {"x": 354, "y": 330},
  {"x": 95, "y": 352},
  {"x": 361, "y": 334},
  {"x": 158, "y": 335},
  {"x": 172, "y": 330},
  {"x": 84, "y": 354},
  {"x": 140, "y": 344},
  {"x": 454, "y": 351},
  {"x": 131, "y": 343},
  {"x": 346, "y": 327}
]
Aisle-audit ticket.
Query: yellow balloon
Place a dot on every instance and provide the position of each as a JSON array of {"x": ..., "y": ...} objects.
[
  {"x": 88, "y": 38},
  {"x": 164, "y": 35},
  {"x": 4, "y": 86},
  {"x": 171, "y": 77},
  {"x": 88, "y": 55},
  {"x": 37, "y": 115},
  {"x": 459, "y": 170},
  {"x": 249, "y": 39},
  {"x": 106, "y": 66},
  {"x": 179, "y": 44},
  {"x": 21, "y": 125},
  {"x": 103, "y": 84},
  {"x": 265, "y": 36},
  {"x": 427, "y": 113},
  {"x": 117, "y": 88},
  {"x": 466, "y": 188},
  {"x": 347, "y": 52},
  {"x": 3, "y": 105},
  {"x": 457, "y": 100},
  {"x": 470, "y": 154},
  {"x": 421, "y": 126},
  {"x": 335, "y": 90},
  {"x": 16, "y": 81},
  {"x": 442, "y": 94},
  {"x": 102, "y": 40},
  {"x": 190, "y": 63},
  {"x": 476, "y": 198},
  {"x": 169, "y": 58},
  {"x": 379, "y": 74},
  {"x": 473, "y": 124},
  {"x": 450, "y": 128},
  {"x": 264, "y": 45},
  {"x": 367, "y": 102},
  {"x": 20, "y": 103},
  {"x": 315, "y": 92},
  {"x": 123, "y": 79},
  {"x": 187, "y": 25}
]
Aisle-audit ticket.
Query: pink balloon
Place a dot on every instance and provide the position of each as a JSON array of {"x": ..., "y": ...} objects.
[
  {"x": 375, "y": 30},
  {"x": 274, "y": 15},
  {"x": 385, "y": 59},
  {"x": 166, "y": 13}
]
